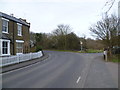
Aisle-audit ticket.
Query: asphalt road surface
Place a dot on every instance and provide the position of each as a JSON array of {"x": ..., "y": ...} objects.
[{"x": 62, "y": 70}]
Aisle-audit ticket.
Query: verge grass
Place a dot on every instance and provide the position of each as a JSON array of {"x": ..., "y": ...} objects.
[
  {"x": 87, "y": 51},
  {"x": 115, "y": 58},
  {"x": 91, "y": 51}
]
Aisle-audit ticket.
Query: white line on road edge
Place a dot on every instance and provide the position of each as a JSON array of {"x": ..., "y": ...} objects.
[{"x": 78, "y": 79}]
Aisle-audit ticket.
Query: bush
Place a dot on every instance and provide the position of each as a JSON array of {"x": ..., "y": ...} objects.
[
  {"x": 33, "y": 49},
  {"x": 38, "y": 48},
  {"x": 116, "y": 50}
]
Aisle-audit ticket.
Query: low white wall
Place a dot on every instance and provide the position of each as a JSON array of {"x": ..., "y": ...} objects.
[{"x": 4, "y": 61}]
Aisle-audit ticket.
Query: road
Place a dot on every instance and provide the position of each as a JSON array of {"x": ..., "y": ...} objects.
[{"x": 62, "y": 70}]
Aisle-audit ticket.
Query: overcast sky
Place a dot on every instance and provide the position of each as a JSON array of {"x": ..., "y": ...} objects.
[{"x": 45, "y": 15}]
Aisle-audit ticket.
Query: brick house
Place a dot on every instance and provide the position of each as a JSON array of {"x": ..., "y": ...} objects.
[{"x": 14, "y": 35}]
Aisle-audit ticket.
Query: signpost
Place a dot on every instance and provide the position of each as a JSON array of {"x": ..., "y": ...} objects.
[{"x": 81, "y": 44}]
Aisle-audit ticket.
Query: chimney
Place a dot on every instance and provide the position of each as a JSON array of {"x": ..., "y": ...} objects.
[
  {"x": 23, "y": 19},
  {"x": 12, "y": 14}
]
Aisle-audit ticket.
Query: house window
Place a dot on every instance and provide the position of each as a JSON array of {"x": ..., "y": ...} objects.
[
  {"x": 5, "y": 50},
  {"x": 4, "y": 25},
  {"x": 4, "y": 47},
  {"x": 19, "y": 46},
  {"x": 19, "y": 29}
]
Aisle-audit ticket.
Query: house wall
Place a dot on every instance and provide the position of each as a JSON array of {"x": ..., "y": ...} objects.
[
  {"x": 26, "y": 38},
  {"x": 0, "y": 27},
  {"x": 13, "y": 36},
  {"x": 12, "y": 29},
  {"x": 0, "y": 33}
]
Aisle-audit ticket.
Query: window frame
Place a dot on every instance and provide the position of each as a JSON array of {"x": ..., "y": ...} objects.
[
  {"x": 3, "y": 19},
  {"x": 19, "y": 41},
  {"x": 8, "y": 47},
  {"x": 19, "y": 34}
]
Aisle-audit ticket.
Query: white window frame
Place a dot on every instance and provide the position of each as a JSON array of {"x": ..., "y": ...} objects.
[
  {"x": 19, "y": 41},
  {"x": 7, "y": 25},
  {"x": 19, "y": 34},
  {"x": 1, "y": 41}
]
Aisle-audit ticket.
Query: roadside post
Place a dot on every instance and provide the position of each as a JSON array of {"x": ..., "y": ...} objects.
[
  {"x": 106, "y": 55},
  {"x": 81, "y": 44}
]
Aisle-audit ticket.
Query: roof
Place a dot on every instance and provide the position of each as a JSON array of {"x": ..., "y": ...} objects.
[{"x": 14, "y": 19}]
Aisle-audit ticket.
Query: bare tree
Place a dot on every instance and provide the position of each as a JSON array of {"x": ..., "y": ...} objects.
[
  {"x": 32, "y": 39},
  {"x": 107, "y": 30},
  {"x": 61, "y": 32},
  {"x": 109, "y": 4}
]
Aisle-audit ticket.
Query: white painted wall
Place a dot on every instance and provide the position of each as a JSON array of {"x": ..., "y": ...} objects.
[{"x": 4, "y": 61}]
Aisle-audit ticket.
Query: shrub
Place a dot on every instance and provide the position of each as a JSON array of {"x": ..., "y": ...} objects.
[{"x": 38, "y": 48}]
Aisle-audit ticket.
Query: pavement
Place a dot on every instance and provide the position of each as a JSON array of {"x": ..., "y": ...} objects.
[
  {"x": 113, "y": 69},
  {"x": 101, "y": 74},
  {"x": 64, "y": 70}
]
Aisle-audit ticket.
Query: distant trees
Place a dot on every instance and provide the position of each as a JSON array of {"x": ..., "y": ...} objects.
[
  {"x": 32, "y": 39},
  {"x": 94, "y": 44},
  {"x": 42, "y": 41},
  {"x": 61, "y": 33},
  {"x": 62, "y": 38},
  {"x": 73, "y": 41},
  {"x": 62, "y": 30}
]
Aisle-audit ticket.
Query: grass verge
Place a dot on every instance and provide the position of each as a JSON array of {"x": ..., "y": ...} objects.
[
  {"x": 115, "y": 58},
  {"x": 63, "y": 50},
  {"x": 91, "y": 51},
  {"x": 87, "y": 51}
]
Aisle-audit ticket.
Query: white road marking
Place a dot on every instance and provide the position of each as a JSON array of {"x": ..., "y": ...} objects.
[{"x": 78, "y": 79}]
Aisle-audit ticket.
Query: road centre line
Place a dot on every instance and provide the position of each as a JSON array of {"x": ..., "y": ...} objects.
[{"x": 78, "y": 79}]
